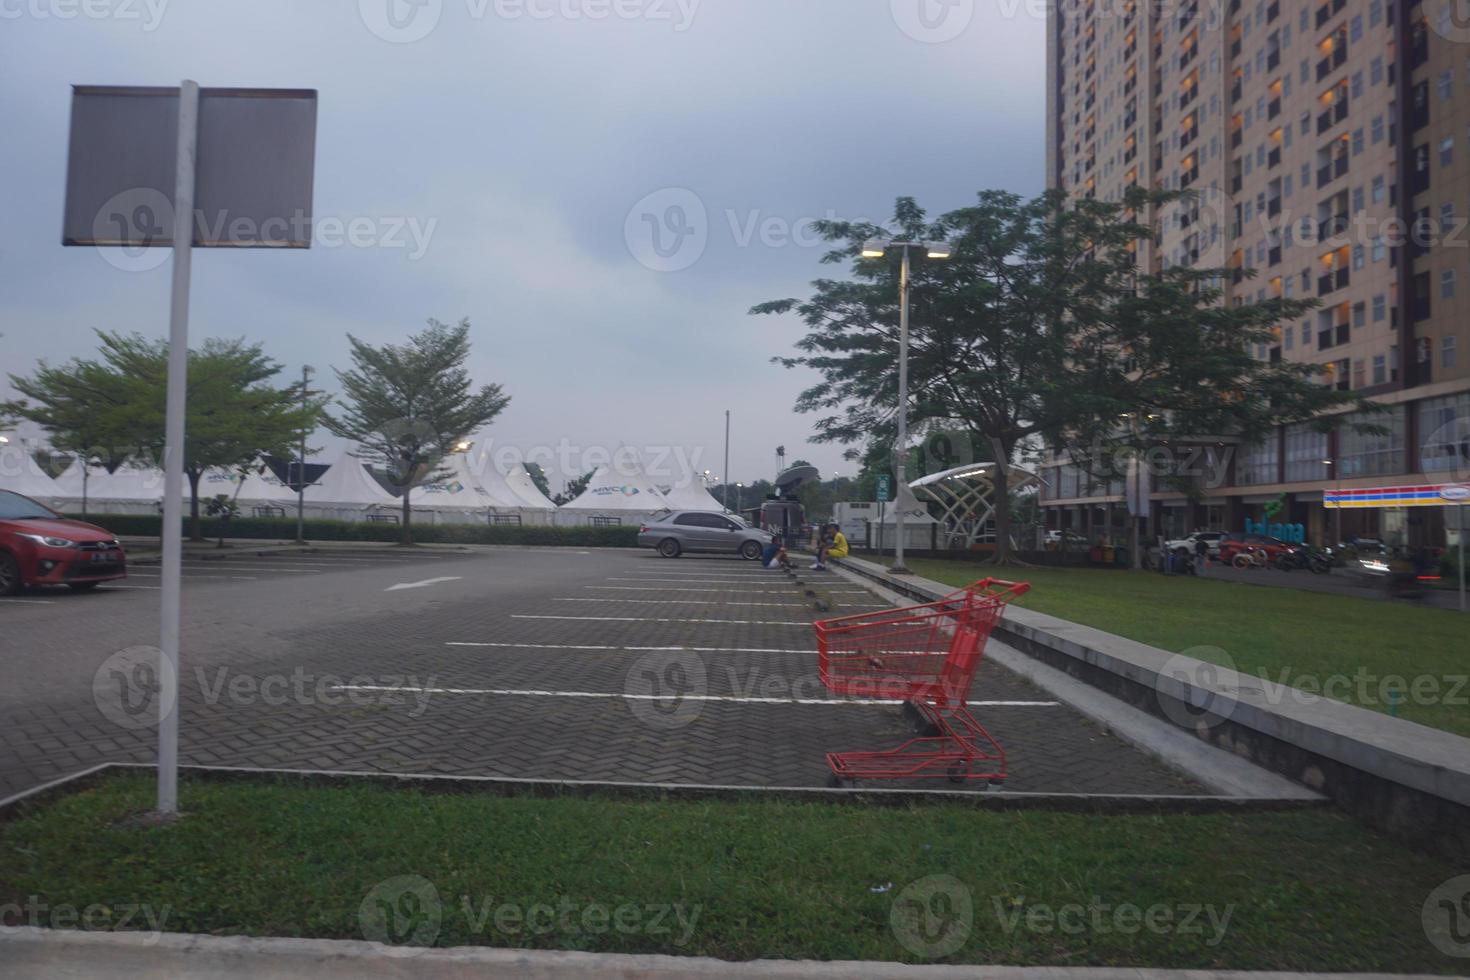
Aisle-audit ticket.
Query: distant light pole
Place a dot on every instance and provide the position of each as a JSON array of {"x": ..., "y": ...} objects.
[
  {"x": 725, "y": 492},
  {"x": 1337, "y": 499},
  {"x": 739, "y": 496},
  {"x": 875, "y": 249},
  {"x": 306, "y": 372}
]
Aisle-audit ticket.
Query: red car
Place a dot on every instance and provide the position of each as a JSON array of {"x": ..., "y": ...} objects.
[
  {"x": 40, "y": 547},
  {"x": 1234, "y": 543}
]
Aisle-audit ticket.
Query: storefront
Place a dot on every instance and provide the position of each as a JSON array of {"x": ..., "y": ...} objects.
[{"x": 1403, "y": 517}]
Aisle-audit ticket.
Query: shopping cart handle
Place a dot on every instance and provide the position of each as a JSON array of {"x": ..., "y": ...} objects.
[{"x": 1014, "y": 588}]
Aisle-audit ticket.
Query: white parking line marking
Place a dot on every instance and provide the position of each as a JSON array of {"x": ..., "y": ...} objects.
[
  {"x": 637, "y": 588},
  {"x": 32, "y": 602},
  {"x": 730, "y": 699},
  {"x": 711, "y": 602},
  {"x": 424, "y": 584},
  {"x": 571, "y": 646},
  {"x": 692, "y": 581},
  {"x": 151, "y": 588},
  {"x": 640, "y": 619},
  {"x": 150, "y": 573}
]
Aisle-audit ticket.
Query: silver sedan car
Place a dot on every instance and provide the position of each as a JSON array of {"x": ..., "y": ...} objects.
[{"x": 681, "y": 531}]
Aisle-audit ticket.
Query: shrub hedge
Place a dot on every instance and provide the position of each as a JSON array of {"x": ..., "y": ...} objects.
[{"x": 284, "y": 529}]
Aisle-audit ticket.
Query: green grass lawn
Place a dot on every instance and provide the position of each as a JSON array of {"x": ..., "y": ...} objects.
[
  {"x": 1372, "y": 647},
  {"x": 1301, "y": 889}
]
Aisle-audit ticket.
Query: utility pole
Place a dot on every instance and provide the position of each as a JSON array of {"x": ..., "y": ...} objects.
[
  {"x": 725, "y": 487},
  {"x": 306, "y": 370}
]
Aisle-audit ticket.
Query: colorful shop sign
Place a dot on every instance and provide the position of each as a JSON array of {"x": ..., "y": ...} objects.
[{"x": 1426, "y": 496}]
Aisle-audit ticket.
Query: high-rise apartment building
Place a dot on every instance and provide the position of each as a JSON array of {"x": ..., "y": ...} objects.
[{"x": 1329, "y": 143}]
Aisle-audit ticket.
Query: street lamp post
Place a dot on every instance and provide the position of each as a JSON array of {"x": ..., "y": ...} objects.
[
  {"x": 875, "y": 249},
  {"x": 739, "y": 496},
  {"x": 1337, "y": 492},
  {"x": 306, "y": 372}
]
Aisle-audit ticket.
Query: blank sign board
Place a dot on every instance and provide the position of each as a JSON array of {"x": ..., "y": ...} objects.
[{"x": 253, "y": 172}]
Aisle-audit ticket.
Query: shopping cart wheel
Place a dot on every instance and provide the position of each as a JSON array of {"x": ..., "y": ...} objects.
[
  {"x": 958, "y": 771},
  {"x": 835, "y": 781}
]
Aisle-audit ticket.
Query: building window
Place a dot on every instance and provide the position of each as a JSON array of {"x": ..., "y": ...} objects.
[
  {"x": 1379, "y": 308},
  {"x": 1372, "y": 454},
  {"x": 1306, "y": 448},
  {"x": 1447, "y": 352},
  {"x": 1378, "y": 190},
  {"x": 1446, "y": 151},
  {"x": 1442, "y": 423},
  {"x": 1380, "y": 371},
  {"x": 1258, "y": 464},
  {"x": 1447, "y": 284},
  {"x": 1446, "y": 84}
]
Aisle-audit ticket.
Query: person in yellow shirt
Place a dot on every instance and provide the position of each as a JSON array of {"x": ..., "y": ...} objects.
[{"x": 834, "y": 545}]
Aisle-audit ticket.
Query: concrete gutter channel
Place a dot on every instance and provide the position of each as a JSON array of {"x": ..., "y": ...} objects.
[{"x": 1405, "y": 779}]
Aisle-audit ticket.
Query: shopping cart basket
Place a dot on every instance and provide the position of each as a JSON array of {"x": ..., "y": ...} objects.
[{"x": 925, "y": 656}]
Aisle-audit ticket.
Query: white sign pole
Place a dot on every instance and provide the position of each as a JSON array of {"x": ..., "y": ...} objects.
[{"x": 173, "y": 453}]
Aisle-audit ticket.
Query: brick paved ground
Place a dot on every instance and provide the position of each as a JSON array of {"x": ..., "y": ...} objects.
[{"x": 529, "y": 664}]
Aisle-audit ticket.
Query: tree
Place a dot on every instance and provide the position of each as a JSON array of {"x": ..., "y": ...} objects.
[
  {"x": 538, "y": 477},
  {"x": 1041, "y": 326},
  {"x": 574, "y": 488},
  {"x": 413, "y": 403},
  {"x": 114, "y": 406},
  {"x": 83, "y": 406}
]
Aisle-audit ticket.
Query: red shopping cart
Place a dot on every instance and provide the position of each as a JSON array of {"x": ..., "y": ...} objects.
[{"x": 925, "y": 656}]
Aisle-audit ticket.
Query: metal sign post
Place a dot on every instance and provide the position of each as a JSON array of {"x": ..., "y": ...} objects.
[
  {"x": 173, "y": 452},
  {"x": 138, "y": 156}
]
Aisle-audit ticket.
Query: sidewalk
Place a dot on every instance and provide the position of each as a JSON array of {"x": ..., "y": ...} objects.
[{"x": 44, "y": 954}]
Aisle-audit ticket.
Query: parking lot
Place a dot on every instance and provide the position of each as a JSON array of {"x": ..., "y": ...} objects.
[{"x": 604, "y": 665}]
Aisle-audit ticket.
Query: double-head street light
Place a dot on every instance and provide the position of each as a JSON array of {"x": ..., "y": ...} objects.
[{"x": 876, "y": 248}]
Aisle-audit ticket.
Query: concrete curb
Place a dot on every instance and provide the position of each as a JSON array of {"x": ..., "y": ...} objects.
[
  {"x": 1407, "y": 779},
  {"x": 31, "y": 953},
  {"x": 14, "y": 806}
]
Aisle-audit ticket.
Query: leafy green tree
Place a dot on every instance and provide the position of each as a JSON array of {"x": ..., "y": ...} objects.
[
  {"x": 413, "y": 403},
  {"x": 113, "y": 406},
  {"x": 1041, "y": 326},
  {"x": 538, "y": 477},
  {"x": 574, "y": 489}
]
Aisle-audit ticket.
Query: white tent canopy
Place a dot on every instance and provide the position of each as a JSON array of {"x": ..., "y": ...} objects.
[
  {"x": 254, "y": 489},
  {"x": 347, "y": 491},
  {"x": 470, "y": 493},
  {"x": 620, "y": 490},
  {"x": 520, "y": 483},
  {"x": 692, "y": 496},
  {"x": 129, "y": 490},
  {"x": 20, "y": 473}
]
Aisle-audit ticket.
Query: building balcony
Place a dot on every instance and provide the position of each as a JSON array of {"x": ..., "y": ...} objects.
[
  {"x": 1332, "y": 227},
  {"x": 1273, "y": 206},
  {"x": 1273, "y": 60},
  {"x": 1337, "y": 168},
  {"x": 1332, "y": 281},
  {"x": 1237, "y": 137},
  {"x": 1273, "y": 159},
  {"x": 1335, "y": 60},
  {"x": 1335, "y": 114},
  {"x": 1273, "y": 109}
]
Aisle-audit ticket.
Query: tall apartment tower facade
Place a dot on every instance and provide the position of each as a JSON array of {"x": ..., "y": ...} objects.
[{"x": 1329, "y": 144}]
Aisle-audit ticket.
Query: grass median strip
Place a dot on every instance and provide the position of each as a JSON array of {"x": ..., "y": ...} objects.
[
  {"x": 1387, "y": 656},
  {"x": 1305, "y": 889}
]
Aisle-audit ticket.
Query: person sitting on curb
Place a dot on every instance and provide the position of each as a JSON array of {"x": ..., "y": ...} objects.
[
  {"x": 834, "y": 545},
  {"x": 774, "y": 555}
]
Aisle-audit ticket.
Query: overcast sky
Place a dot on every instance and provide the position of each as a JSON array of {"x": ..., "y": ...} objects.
[{"x": 511, "y": 159}]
